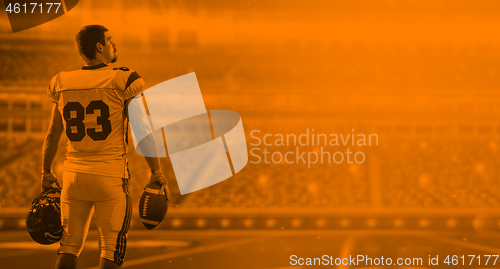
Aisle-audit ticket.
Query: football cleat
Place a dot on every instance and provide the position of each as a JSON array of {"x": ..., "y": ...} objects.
[{"x": 44, "y": 217}]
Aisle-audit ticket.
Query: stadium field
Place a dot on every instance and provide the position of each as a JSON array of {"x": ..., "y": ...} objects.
[
  {"x": 422, "y": 77},
  {"x": 271, "y": 249}
]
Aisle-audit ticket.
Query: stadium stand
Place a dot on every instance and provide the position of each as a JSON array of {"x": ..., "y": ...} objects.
[{"x": 434, "y": 106}]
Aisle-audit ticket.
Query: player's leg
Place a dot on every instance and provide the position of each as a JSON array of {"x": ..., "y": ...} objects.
[
  {"x": 113, "y": 212},
  {"x": 66, "y": 261},
  {"x": 76, "y": 214},
  {"x": 107, "y": 264}
]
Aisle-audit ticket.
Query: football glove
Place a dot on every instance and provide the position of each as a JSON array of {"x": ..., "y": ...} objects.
[
  {"x": 49, "y": 180},
  {"x": 157, "y": 176}
]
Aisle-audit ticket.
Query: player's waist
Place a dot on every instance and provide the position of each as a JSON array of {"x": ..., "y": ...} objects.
[
  {"x": 109, "y": 167},
  {"x": 110, "y": 154}
]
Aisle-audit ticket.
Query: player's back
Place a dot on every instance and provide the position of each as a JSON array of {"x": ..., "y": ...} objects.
[{"x": 91, "y": 102}]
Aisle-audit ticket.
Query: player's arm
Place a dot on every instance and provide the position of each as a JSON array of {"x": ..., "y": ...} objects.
[
  {"x": 149, "y": 143},
  {"x": 154, "y": 165},
  {"x": 50, "y": 147},
  {"x": 153, "y": 162}
]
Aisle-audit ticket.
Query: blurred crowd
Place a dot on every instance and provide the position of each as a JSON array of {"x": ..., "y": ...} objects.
[
  {"x": 290, "y": 65},
  {"x": 287, "y": 82},
  {"x": 444, "y": 172},
  {"x": 19, "y": 171},
  {"x": 406, "y": 173}
]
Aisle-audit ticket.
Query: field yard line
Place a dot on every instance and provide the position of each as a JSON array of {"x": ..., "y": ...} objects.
[
  {"x": 346, "y": 250},
  {"x": 465, "y": 244},
  {"x": 187, "y": 252}
]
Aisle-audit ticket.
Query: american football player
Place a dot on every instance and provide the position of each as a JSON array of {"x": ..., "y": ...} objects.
[{"x": 90, "y": 108}]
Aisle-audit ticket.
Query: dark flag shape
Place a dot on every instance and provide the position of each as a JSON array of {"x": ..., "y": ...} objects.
[{"x": 28, "y": 14}]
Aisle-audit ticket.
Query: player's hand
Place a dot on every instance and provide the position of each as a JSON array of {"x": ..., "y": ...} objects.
[
  {"x": 157, "y": 176},
  {"x": 49, "y": 180}
]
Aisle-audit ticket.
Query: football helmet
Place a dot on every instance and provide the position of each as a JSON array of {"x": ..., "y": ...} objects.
[{"x": 44, "y": 217}]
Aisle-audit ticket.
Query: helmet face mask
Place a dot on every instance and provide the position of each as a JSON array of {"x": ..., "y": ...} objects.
[{"x": 44, "y": 217}]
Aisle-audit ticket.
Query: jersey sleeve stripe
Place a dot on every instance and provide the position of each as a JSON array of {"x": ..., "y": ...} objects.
[{"x": 134, "y": 76}]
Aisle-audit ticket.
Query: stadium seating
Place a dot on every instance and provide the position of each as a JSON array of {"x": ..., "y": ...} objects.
[
  {"x": 354, "y": 85},
  {"x": 414, "y": 173}
]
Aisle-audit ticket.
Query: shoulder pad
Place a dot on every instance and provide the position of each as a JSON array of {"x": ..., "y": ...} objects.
[{"x": 123, "y": 68}]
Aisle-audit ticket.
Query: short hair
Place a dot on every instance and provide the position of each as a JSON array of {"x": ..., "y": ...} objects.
[{"x": 87, "y": 39}]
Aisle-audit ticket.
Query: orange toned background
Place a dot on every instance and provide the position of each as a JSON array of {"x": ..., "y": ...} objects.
[{"x": 423, "y": 75}]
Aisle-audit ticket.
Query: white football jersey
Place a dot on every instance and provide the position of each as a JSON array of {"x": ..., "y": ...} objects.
[{"x": 92, "y": 104}]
